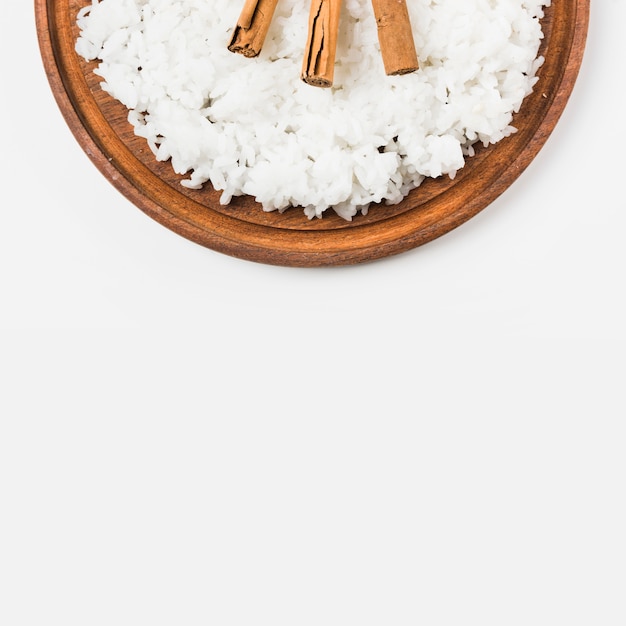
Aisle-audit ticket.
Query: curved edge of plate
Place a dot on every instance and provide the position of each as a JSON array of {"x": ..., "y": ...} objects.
[{"x": 310, "y": 248}]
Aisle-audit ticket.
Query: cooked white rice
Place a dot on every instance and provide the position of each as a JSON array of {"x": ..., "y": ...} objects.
[{"x": 251, "y": 126}]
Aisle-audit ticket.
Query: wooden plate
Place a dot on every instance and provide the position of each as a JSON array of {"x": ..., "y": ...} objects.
[{"x": 242, "y": 229}]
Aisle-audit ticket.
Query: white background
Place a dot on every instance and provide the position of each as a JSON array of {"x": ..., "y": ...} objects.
[{"x": 436, "y": 438}]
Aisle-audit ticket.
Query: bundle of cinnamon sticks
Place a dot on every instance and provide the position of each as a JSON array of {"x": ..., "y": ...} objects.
[{"x": 394, "y": 35}]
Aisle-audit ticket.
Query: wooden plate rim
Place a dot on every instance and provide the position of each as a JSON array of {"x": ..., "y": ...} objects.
[{"x": 296, "y": 242}]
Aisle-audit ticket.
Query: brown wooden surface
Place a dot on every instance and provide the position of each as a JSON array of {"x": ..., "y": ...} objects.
[{"x": 242, "y": 229}]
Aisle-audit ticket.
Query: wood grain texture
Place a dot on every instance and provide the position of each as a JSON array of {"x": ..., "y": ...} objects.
[{"x": 242, "y": 229}]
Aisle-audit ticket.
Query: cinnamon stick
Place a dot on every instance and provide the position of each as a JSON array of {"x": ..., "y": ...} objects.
[
  {"x": 252, "y": 27},
  {"x": 395, "y": 36},
  {"x": 318, "y": 67}
]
